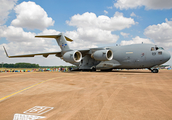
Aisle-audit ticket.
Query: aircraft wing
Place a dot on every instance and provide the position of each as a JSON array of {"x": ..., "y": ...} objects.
[
  {"x": 58, "y": 54},
  {"x": 89, "y": 51},
  {"x": 84, "y": 52}
]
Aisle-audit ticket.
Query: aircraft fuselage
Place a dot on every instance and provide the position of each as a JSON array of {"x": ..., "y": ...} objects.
[{"x": 134, "y": 56}]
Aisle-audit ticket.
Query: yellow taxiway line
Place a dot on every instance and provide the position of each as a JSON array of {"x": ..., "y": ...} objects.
[{"x": 24, "y": 89}]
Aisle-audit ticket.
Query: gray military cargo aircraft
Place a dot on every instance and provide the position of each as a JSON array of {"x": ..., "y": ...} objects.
[{"x": 136, "y": 56}]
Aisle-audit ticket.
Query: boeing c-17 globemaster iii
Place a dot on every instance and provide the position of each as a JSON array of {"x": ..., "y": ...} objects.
[{"x": 135, "y": 56}]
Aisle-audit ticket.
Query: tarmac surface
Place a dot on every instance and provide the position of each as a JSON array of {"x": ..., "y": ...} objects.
[{"x": 119, "y": 95}]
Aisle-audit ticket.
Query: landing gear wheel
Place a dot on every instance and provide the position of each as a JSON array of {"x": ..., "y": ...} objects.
[
  {"x": 106, "y": 70},
  {"x": 93, "y": 69},
  {"x": 155, "y": 71}
]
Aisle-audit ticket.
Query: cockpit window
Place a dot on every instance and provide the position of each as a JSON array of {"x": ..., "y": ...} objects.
[
  {"x": 156, "y": 48},
  {"x": 152, "y": 48},
  {"x": 159, "y": 48}
]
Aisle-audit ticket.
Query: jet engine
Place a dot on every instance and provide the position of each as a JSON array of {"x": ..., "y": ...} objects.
[
  {"x": 102, "y": 55},
  {"x": 72, "y": 56}
]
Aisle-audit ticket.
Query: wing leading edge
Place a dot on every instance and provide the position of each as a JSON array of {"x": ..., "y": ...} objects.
[{"x": 58, "y": 54}]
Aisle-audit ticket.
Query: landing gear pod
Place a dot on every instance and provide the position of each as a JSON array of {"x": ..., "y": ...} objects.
[
  {"x": 72, "y": 56},
  {"x": 102, "y": 55}
]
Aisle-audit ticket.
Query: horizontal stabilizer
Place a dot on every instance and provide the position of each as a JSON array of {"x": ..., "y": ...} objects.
[{"x": 54, "y": 36}]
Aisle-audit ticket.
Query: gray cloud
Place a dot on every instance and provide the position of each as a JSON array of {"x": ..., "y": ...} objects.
[{"x": 149, "y": 4}]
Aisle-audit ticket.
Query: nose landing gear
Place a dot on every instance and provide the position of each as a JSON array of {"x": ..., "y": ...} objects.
[{"x": 154, "y": 70}]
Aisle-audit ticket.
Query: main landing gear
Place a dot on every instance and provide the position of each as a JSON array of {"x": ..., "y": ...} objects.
[{"x": 154, "y": 70}]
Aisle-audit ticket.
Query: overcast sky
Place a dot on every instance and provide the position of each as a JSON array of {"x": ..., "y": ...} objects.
[{"x": 90, "y": 23}]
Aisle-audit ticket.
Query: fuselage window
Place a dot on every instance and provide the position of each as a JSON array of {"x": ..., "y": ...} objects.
[
  {"x": 153, "y": 53},
  {"x": 160, "y": 53},
  {"x": 152, "y": 48}
]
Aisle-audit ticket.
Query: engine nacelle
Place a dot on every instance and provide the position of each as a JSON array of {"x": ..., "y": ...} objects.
[
  {"x": 72, "y": 56},
  {"x": 102, "y": 55}
]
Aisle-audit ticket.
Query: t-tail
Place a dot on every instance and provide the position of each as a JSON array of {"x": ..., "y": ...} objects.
[
  {"x": 61, "y": 40},
  {"x": 68, "y": 55}
]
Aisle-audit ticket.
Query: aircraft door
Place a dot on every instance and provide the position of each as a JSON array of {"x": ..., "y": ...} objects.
[{"x": 142, "y": 59}]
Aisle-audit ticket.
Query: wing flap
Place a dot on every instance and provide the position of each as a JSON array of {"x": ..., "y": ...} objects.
[{"x": 58, "y": 54}]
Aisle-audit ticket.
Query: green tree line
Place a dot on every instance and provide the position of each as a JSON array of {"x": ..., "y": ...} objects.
[{"x": 20, "y": 65}]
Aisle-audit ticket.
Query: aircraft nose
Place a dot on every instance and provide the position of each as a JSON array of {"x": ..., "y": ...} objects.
[{"x": 167, "y": 56}]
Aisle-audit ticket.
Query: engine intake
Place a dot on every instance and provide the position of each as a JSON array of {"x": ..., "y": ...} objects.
[
  {"x": 72, "y": 56},
  {"x": 102, "y": 55}
]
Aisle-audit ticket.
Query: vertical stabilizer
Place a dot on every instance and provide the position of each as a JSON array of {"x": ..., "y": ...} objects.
[
  {"x": 61, "y": 40},
  {"x": 63, "y": 43}
]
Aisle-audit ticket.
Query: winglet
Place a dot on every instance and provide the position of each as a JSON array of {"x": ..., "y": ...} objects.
[{"x": 6, "y": 52}]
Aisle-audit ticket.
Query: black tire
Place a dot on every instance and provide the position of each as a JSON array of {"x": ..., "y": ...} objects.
[
  {"x": 155, "y": 71},
  {"x": 106, "y": 70},
  {"x": 93, "y": 69}
]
